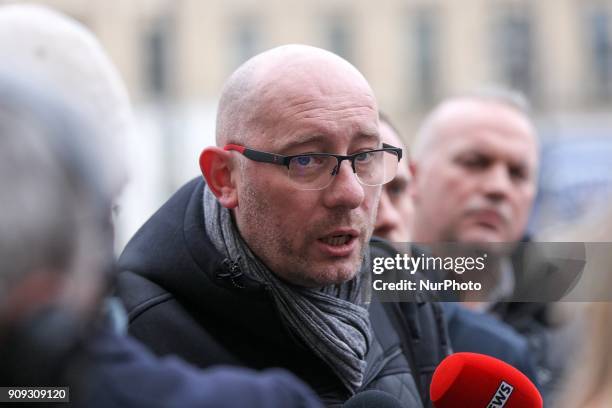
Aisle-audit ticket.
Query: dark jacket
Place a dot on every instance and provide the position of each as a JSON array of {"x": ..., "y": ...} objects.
[
  {"x": 184, "y": 298},
  {"x": 482, "y": 333},
  {"x": 542, "y": 278},
  {"x": 124, "y": 374}
]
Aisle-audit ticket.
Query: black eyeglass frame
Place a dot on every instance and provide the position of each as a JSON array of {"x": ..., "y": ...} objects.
[{"x": 273, "y": 158}]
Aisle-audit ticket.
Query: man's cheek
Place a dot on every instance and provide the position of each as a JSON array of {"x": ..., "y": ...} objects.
[{"x": 300, "y": 240}]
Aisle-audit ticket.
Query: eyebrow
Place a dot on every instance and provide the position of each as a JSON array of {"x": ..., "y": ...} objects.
[
  {"x": 322, "y": 139},
  {"x": 518, "y": 162}
]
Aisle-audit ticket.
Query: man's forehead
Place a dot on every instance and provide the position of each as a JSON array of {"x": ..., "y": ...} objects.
[
  {"x": 469, "y": 114},
  {"x": 469, "y": 123},
  {"x": 493, "y": 144},
  {"x": 319, "y": 121},
  {"x": 324, "y": 138},
  {"x": 301, "y": 76},
  {"x": 299, "y": 92}
]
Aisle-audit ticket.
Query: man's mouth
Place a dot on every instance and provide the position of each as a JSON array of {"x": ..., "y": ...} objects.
[
  {"x": 339, "y": 243},
  {"x": 489, "y": 218},
  {"x": 337, "y": 240}
]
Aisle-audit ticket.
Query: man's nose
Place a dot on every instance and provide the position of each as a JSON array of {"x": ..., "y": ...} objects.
[
  {"x": 345, "y": 190},
  {"x": 497, "y": 183}
]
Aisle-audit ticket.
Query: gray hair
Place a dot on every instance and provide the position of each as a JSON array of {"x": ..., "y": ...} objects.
[
  {"x": 54, "y": 196},
  {"x": 507, "y": 97},
  {"x": 504, "y": 96},
  {"x": 43, "y": 43}
]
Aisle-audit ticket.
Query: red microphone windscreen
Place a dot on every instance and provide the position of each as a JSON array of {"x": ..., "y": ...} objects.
[{"x": 471, "y": 380}]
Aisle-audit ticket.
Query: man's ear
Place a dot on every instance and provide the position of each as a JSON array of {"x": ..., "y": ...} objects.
[{"x": 216, "y": 166}]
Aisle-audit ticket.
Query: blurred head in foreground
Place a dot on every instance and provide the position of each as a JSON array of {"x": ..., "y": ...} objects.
[
  {"x": 38, "y": 42},
  {"x": 56, "y": 236},
  {"x": 64, "y": 59}
]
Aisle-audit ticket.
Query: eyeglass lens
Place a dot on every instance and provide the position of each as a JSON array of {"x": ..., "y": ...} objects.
[{"x": 315, "y": 172}]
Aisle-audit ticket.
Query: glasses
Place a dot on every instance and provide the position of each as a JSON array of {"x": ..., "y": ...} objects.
[{"x": 315, "y": 171}]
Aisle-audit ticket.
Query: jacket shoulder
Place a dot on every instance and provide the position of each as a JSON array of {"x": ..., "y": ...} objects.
[
  {"x": 159, "y": 320},
  {"x": 139, "y": 294}
]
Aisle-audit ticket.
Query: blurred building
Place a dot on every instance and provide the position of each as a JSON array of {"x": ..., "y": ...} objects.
[{"x": 175, "y": 55}]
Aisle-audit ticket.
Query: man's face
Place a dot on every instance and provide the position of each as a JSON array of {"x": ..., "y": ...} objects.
[
  {"x": 310, "y": 238},
  {"x": 395, "y": 209},
  {"x": 477, "y": 181}
]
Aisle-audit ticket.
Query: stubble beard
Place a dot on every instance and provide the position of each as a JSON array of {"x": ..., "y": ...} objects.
[{"x": 271, "y": 243}]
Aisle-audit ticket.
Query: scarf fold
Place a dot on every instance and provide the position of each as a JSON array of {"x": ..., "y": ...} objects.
[{"x": 332, "y": 321}]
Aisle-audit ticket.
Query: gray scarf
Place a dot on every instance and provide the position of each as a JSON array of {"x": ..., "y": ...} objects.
[{"x": 332, "y": 321}]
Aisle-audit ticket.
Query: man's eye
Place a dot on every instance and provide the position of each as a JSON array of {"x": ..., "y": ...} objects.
[
  {"x": 518, "y": 173},
  {"x": 474, "y": 162},
  {"x": 303, "y": 160},
  {"x": 364, "y": 157},
  {"x": 397, "y": 188},
  {"x": 308, "y": 161}
]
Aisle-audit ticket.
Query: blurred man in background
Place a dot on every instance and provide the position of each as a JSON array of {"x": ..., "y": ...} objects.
[
  {"x": 468, "y": 330},
  {"x": 475, "y": 168},
  {"x": 475, "y": 171}
]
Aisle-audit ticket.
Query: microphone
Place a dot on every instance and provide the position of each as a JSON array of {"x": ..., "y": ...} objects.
[
  {"x": 373, "y": 399},
  {"x": 471, "y": 380}
]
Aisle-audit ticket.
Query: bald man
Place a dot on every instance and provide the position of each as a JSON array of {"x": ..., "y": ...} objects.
[
  {"x": 475, "y": 170},
  {"x": 475, "y": 179},
  {"x": 475, "y": 163},
  {"x": 469, "y": 331},
  {"x": 261, "y": 261}
]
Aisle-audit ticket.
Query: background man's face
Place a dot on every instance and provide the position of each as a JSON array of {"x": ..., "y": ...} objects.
[
  {"x": 478, "y": 180},
  {"x": 395, "y": 209},
  {"x": 311, "y": 238}
]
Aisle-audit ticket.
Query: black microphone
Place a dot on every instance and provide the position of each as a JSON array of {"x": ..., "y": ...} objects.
[{"x": 373, "y": 399}]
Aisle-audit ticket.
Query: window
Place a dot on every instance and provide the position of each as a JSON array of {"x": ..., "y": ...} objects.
[
  {"x": 339, "y": 37},
  {"x": 157, "y": 56},
  {"x": 600, "y": 47},
  {"x": 246, "y": 40},
  {"x": 513, "y": 50},
  {"x": 424, "y": 32}
]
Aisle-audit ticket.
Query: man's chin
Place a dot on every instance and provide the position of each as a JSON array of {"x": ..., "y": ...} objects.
[
  {"x": 482, "y": 236},
  {"x": 335, "y": 273},
  {"x": 319, "y": 275},
  {"x": 492, "y": 241}
]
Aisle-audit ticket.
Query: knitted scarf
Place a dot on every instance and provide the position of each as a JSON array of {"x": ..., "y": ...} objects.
[{"x": 332, "y": 321}]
